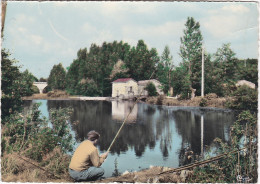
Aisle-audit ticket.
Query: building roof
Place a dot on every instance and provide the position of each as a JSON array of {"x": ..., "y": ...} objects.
[{"x": 123, "y": 80}]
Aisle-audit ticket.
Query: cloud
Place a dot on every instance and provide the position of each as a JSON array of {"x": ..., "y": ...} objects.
[
  {"x": 169, "y": 28},
  {"x": 239, "y": 8},
  {"x": 36, "y": 39},
  {"x": 89, "y": 28},
  {"x": 228, "y": 20}
]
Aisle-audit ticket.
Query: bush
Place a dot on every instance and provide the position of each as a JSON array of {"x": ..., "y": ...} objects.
[
  {"x": 31, "y": 135},
  {"x": 203, "y": 102},
  {"x": 57, "y": 93},
  {"x": 151, "y": 89},
  {"x": 35, "y": 89},
  {"x": 244, "y": 98},
  {"x": 211, "y": 96},
  {"x": 160, "y": 100}
]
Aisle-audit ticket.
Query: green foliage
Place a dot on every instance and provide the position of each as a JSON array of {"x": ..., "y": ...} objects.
[
  {"x": 95, "y": 67},
  {"x": 10, "y": 86},
  {"x": 27, "y": 79},
  {"x": 31, "y": 135},
  {"x": 203, "y": 102},
  {"x": 35, "y": 89},
  {"x": 191, "y": 46},
  {"x": 244, "y": 98},
  {"x": 43, "y": 79},
  {"x": 190, "y": 51},
  {"x": 191, "y": 42},
  {"x": 226, "y": 60},
  {"x": 56, "y": 78},
  {"x": 92, "y": 72},
  {"x": 247, "y": 70},
  {"x": 181, "y": 81},
  {"x": 164, "y": 69},
  {"x": 151, "y": 89},
  {"x": 141, "y": 61}
]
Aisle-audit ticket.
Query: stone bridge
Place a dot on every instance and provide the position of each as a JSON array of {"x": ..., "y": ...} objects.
[{"x": 40, "y": 85}]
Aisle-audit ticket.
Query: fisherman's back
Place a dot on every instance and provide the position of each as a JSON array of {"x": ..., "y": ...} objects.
[{"x": 81, "y": 158}]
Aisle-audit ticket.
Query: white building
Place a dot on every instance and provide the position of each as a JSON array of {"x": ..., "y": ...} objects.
[{"x": 125, "y": 87}]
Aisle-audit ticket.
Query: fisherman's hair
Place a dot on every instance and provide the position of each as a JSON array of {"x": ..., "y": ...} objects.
[{"x": 93, "y": 135}]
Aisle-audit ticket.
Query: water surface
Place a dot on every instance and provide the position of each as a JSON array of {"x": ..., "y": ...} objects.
[{"x": 153, "y": 135}]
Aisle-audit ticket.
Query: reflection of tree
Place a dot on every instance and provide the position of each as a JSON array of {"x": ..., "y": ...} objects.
[
  {"x": 97, "y": 115},
  {"x": 116, "y": 171},
  {"x": 188, "y": 124}
]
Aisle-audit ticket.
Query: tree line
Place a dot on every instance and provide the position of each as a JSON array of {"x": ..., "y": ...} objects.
[{"x": 92, "y": 72}]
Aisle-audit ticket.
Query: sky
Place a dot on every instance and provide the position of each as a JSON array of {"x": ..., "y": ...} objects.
[{"x": 42, "y": 34}]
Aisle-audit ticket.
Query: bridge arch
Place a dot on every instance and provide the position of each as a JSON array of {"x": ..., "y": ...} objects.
[{"x": 40, "y": 85}]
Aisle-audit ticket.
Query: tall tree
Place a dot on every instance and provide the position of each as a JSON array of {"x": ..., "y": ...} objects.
[
  {"x": 57, "y": 77},
  {"x": 27, "y": 80},
  {"x": 141, "y": 61},
  {"x": 10, "y": 85},
  {"x": 191, "y": 46},
  {"x": 247, "y": 70},
  {"x": 14, "y": 85},
  {"x": 164, "y": 69},
  {"x": 225, "y": 59},
  {"x": 181, "y": 81}
]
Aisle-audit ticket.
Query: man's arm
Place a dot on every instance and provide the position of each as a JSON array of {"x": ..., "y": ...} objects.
[{"x": 96, "y": 159}]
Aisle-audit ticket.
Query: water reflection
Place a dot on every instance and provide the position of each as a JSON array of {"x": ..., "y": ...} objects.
[
  {"x": 121, "y": 109},
  {"x": 158, "y": 135}
]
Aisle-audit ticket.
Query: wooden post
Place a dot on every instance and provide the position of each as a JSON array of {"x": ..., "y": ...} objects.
[
  {"x": 202, "y": 134},
  {"x": 202, "y": 73}
]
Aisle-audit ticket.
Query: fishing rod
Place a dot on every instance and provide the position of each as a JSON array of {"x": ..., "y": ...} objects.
[
  {"x": 212, "y": 159},
  {"x": 127, "y": 117}
]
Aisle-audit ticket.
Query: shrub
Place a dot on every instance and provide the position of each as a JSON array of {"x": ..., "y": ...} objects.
[
  {"x": 31, "y": 135},
  {"x": 35, "y": 90},
  {"x": 245, "y": 98},
  {"x": 160, "y": 100},
  {"x": 203, "y": 102},
  {"x": 211, "y": 96},
  {"x": 151, "y": 89}
]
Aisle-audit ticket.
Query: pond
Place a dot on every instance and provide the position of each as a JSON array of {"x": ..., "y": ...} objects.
[{"x": 152, "y": 136}]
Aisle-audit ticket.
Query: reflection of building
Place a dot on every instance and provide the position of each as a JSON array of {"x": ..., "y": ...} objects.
[
  {"x": 120, "y": 110},
  {"x": 143, "y": 83},
  {"x": 126, "y": 87}
]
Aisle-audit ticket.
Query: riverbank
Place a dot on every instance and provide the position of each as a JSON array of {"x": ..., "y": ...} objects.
[
  {"x": 25, "y": 171},
  {"x": 210, "y": 100},
  {"x": 63, "y": 97}
]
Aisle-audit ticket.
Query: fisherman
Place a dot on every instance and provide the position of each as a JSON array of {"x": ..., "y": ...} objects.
[{"x": 86, "y": 161}]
